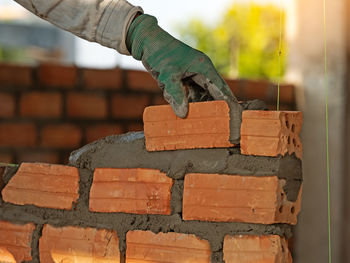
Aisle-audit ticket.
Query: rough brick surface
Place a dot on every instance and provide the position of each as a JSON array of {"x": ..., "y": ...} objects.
[
  {"x": 129, "y": 106},
  {"x": 15, "y": 242},
  {"x": 41, "y": 104},
  {"x": 96, "y": 132},
  {"x": 81, "y": 105},
  {"x": 11, "y": 75},
  {"x": 102, "y": 79},
  {"x": 138, "y": 191},
  {"x": 7, "y": 105},
  {"x": 139, "y": 80},
  {"x": 17, "y": 134},
  {"x": 44, "y": 185},
  {"x": 234, "y": 198},
  {"x": 145, "y": 246},
  {"x": 61, "y": 136},
  {"x": 271, "y": 133},
  {"x": 73, "y": 244},
  {"x": 57, "y": 75},
  {"x": 256, "y": 249},
  {"x": 206, "y": 126}
]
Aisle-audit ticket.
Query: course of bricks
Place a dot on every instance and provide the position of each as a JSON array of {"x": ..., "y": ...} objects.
[
  {"x": 118, "y": 202},
  {"x": 49, "y": 110}
]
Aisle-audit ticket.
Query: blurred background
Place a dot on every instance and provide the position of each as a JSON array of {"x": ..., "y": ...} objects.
[{"x": 59, "y": 92}]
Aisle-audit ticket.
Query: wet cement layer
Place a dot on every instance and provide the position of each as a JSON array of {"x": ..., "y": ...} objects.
[{"x": 128, "y": 151}]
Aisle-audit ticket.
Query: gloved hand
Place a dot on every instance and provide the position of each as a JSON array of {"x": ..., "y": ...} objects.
[{"x": 176, "y": 66}]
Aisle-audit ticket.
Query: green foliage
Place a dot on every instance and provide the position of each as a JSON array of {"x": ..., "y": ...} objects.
[{"x": 245, "y": 43}]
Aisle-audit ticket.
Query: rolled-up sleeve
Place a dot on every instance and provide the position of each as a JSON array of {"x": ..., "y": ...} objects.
[{"x": 102, "y": 21}]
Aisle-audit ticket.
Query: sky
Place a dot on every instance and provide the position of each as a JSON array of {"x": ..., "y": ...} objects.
[{"x": 170, "y": 15}]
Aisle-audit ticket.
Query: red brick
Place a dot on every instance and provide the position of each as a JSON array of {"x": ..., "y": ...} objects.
[
  {"x": 102, "y": 79},
  {"x": 41, "y": 104},
  {"x": 43, "y": 185},
  {"x": 15, "y": 242},
  {"x": 81, "y": 105},
  {"x": 7, "y": 105},
  {"x": 61, "y": 136},
  {"x": 141, "y": 80},
  {"x": 159, "y": 100},
  {"x": 74, "y": 244},
  {"x": 145, "y": 246},
  {"x": 137, "y": 126},
  {"x": 129, "y": 106},
  {"x": 282, "y": 107},
  {"x": 235, "y": 86},
  {"x": 271, "y": 133},
  {"x": 287, "y": 93},
  {"x": 13, "y": 75},
  {"x": 57, "y": 75},
  {"x": 256, "y": 89},
  {"x": 138, "y": 191},
  {"x": 235, "y": 198},
  {"x": 6, "y": 158},
  {"x": 17, "y": 134},
  {"x": 206, "y": 126},
  {"x": 96, "y": 132},
  {"x": 38, "y": 156},
  {"x": 256, "y": 249}
]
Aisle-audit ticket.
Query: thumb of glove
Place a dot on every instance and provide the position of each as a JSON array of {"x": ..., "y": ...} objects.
[{"x": 174, "y": 93}]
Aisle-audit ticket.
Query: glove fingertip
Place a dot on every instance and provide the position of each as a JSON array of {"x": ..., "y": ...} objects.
[{"x": 180, "y": 110}]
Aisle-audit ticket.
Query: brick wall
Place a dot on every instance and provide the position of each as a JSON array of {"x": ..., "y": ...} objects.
[
  {"x": 50, "y": 110},
  {"x": 118, "y": 202}
]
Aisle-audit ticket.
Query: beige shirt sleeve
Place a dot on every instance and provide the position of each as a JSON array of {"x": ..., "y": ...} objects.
[{"x": 102, "y": 21}]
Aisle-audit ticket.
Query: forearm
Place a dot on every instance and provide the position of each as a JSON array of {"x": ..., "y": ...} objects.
[{"x": 102, "y": 21}]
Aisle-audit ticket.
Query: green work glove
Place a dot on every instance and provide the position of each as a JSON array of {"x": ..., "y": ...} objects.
[{"x": 176, "y": 66}]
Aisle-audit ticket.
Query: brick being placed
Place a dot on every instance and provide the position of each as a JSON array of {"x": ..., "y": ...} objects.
[
  {"x": 271, "y": 133},
  {"x": 207, "y": 125},
  {"x": 43, "y": 185}
]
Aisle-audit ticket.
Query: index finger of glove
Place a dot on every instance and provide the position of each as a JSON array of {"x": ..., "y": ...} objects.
[{"x": 216, "y": 86}]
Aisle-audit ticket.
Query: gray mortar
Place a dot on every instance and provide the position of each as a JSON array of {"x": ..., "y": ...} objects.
[
  {"x": 236, "y": 110},
  {"x": 35, "y": 244},
  {"x": 128, "y": 151}
]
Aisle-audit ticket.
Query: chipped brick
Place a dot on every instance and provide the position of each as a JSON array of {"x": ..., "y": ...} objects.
[
  {"x": 43, "y": 185},
  {"x": 234, "y": 198}
]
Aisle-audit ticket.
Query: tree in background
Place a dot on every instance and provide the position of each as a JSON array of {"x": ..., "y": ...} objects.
[{"x": 244, "y": 44}]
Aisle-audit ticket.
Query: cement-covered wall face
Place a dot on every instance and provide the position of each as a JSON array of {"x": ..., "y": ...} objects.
[
  {"x": 128, "y": 151},
  {"x": 306, "y": 67}
]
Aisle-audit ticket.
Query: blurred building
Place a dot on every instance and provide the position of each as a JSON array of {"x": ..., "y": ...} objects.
[{"x": 27, "y": 39}]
